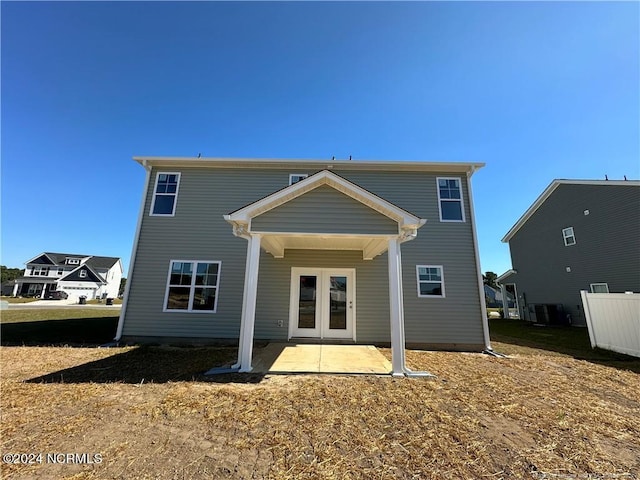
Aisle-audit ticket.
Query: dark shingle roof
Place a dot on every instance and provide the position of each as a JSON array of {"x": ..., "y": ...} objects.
[{"x": 93, "y": 262}]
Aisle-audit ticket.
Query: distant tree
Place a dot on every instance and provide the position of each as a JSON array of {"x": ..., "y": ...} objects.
[
  {"x": 123, "y": 283},
  {"x": 10, "y": 273},
  {"x": 490, "y": 279}
]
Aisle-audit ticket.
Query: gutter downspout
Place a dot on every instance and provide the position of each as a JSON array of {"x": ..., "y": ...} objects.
[
  {"x": 134, "y": 251},
  {"x": 483, "y": 304}
]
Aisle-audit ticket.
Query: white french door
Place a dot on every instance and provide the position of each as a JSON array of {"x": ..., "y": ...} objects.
[{"x": 322, "y": 303}]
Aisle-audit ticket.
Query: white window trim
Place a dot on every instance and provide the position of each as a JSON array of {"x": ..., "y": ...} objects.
[
  {"x": 418, "y": 281},
  {"x": 291, "y": 175},
  {"x": 598, "y": 284},
  {"x": 154, "y": 195},
  {"x": 82, "y": 274},
  {"x": 440, "y": 200},
  {"x": 192, "y": 287},
  {"x": 566, "y": 236},
  {"x": 73, "y": 261}
]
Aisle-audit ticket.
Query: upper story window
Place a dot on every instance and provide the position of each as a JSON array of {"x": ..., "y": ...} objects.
[
  {"x": 599, "y": 288},
  {"x": 192, "y": 286},
  {"x": 450, "y": 199},
  {"x": 430, "y": 281},
  {"x": 296, "y": 177},
  {"x": 568, "y": 236},
  {"x": 82, "y": 274},
  {"x": 40, "y": 271},
  {"x": 165, "y": 193},
  {"x": 73, "y": 261},
  {"x": 60, "y": 270}
]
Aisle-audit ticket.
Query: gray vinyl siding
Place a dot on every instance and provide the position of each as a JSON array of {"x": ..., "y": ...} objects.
[
  {"x": 199, "y": 232},
  {"x": 607, "y": 248},
  {"x": 327, "y": 210}
]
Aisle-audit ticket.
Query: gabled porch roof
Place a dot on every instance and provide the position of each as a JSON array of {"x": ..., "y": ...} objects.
[{"x": 370, "y": 243}]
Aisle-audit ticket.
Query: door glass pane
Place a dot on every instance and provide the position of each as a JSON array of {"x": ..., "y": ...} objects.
[
  {"x": 338, "y": 305},
  {"x": 307, "y": 301}
]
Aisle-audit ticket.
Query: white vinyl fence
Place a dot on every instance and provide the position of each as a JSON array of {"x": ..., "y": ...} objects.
[{"x": 613, "y": 320}]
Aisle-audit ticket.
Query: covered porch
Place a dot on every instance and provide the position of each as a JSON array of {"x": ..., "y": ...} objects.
[{"x": 324, "y": 212}]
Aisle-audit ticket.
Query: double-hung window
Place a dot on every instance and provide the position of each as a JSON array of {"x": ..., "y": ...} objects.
[
  {"x": 568, "y": 236},
  {"x": 165, "y": 193},
  {"x": 450, "y": 199},
  {"x": 430, "y": 281},
  {"x": 192, "y": 286},
  {"x": 599, "y": 288},
  {"x": 40, "y": 271},
  {"x": 82, "y": 274},
  {"x": 296, "y": 177}
]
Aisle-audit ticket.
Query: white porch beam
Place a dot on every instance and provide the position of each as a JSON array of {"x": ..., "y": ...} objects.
[
  {"x": 247, "y": 322},
  {"x": 396, "y": 308}
]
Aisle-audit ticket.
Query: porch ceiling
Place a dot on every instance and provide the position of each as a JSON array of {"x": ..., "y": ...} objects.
[{"x": 370, "y": 246}]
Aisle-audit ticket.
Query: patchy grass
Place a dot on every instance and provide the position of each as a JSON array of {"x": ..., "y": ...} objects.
[
  {"x": 59, "y": 326},
  {"x": 521, "y": 337},
  {"x": 19, "y": 299},
  {"x": 151, "y": 414}
]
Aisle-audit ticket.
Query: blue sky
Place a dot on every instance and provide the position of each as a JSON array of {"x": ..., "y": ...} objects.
[{"x": 537, "y": 90}]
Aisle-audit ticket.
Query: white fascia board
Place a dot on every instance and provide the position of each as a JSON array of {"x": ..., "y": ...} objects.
[
  {"x": 550, "y": 189},
  {"x": 38, "y": 256},
  {"x": 319, "y": 164},
  {"x": 509, "y": 272},
  {"x": 245, "y": 214}
]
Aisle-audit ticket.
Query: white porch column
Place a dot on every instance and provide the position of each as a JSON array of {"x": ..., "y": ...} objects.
[
  {"x": 15, "y": 289},
  {"x": 505, "y": 302},
  {"x": 44, "y": 288},
  {"x": 245, "y": 345},
  {"x": 396, "y": 308}
]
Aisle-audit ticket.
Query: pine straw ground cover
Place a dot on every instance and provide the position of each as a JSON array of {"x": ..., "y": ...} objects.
[{"x": 530, "y": 416}]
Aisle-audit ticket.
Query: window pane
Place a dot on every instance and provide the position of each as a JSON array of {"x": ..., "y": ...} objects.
[
  {"x": 207, "y": 274},
  {"x": 178, "y": 298},
  {"x": 181, "y": 273},
  {"x": 431, "y": 288},
  {"x": 163, "y": 204},
  {"x": 451, "y": 210},
  {"x": 307, "y": 302},
  {"x": 204, "y": 299},
  {"x": 162, "y": 178}
]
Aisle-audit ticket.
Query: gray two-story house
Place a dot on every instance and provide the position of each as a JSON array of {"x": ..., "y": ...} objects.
[
  {"x": 578, "y": 235},
  {"x": 327, "y": 250}
]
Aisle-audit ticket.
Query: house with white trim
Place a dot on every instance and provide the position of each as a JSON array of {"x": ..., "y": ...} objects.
[
  {"x": 577, "y": 235},
  {"x": 77, "y": 275},
  {"x": 335, "y": 251}
]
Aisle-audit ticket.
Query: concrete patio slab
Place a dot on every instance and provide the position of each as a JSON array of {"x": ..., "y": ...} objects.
[{"x": 280, "y": 358}]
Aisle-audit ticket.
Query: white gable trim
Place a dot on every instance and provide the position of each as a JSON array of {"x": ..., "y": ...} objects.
[
  {"x": 550, "y": 189},
  {"x": 241, "y": 218}
]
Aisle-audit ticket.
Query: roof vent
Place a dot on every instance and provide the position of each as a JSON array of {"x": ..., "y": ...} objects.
[{"x": 586, "y": 212}]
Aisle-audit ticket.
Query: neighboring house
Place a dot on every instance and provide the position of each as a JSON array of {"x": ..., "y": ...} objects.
[
  {"x": 77, "y": 275},
  {"x": 7, "y": 287},
  {"x": 578, "y": 235},
  {"x": 494, "y": 297},
  {"x": 306, "y": 249}
]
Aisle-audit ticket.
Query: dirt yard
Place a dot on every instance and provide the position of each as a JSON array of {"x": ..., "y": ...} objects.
[{"x": 148, "y": 413}]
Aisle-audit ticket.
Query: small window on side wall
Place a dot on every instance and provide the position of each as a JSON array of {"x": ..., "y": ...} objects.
[
  {"x": 165, "y": 193},
  {"x": 450, "y": 199},
  {"x": 599, "y": 288},
  {"x": 82, "y": 274},
  {"x": 430, "y": 281},
  {"x": 568, "y": 236},
  {"x": 296, "y": 177}
]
